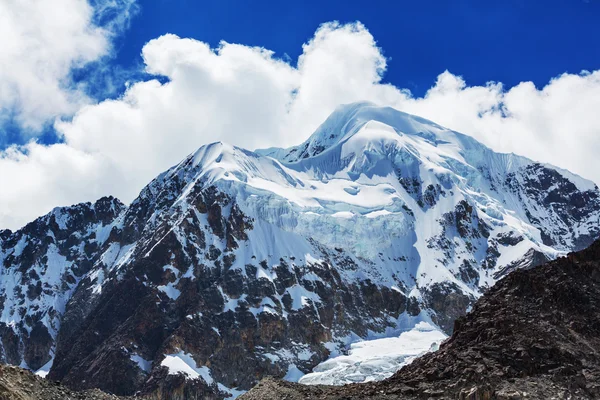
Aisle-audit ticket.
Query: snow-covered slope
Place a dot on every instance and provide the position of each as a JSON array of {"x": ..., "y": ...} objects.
[
  {"x": 278, "y": 258},
  {"x": 466, "y": 212}
]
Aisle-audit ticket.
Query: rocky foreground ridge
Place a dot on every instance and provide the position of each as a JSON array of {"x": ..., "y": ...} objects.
[
  {"x": 534, "y": 335},
  {"x": 20, "y": 384}
]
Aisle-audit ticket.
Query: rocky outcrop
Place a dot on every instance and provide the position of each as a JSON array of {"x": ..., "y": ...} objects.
[
  {"x": 448, "y": 303},
  {"x": 534, "y": 335},
  {"x": 568, "y": 206},
  {"x": 40, "y": 266},
  {"x": 19, "y": 384}
]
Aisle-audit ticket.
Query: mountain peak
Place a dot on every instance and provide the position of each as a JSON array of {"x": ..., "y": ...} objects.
[
  {"x": 213, "y": 153},
  {"x": 349, "y": 119}
]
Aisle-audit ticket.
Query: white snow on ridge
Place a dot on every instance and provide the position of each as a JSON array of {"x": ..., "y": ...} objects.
[
  {"x": 183, "y": 363},
  {"x": 301, "y": 296},
  {"x": 374, "y": 360},
  {"x": 374, "y": 194},
  {"x": 379, "y": 184}
]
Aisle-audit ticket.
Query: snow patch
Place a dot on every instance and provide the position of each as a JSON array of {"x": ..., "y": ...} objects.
[
  {"x": 143, "y": 364},
  {"x": 293, "y": 374},
  {"x": 45, "y": 369},
  {"x": 378, "y": 359},
  {"x": 169, "y": 289},
  {"x": 183, "y": 363},
  {"x": 301, "y": 296}
]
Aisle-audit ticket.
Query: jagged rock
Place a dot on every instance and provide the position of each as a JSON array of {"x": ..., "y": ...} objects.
[
  {"x": 19, "y": 384},
  {"x": 448, "y": 304},
  {"x": 40, "y": 267}
]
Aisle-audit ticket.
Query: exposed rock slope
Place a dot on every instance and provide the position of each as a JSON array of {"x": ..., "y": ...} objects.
[
  {"x": 20, "y": 384},
  {"x": 534, "y": 335}
]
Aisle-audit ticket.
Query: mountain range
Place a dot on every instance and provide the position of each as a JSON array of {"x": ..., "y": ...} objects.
[{"x": 234, "y": 265}]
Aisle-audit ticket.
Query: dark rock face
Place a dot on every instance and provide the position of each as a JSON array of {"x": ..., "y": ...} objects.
[
  {"x": 534, "y": 335},
  {"x": 566, "y": 206},
  {"x": 448, "y": 303},
  {"x": 20, "y": 384},
  {"x": 408, "y": 177},
  {"x": 41, "y": 265},
  {"x": 38, "y": 346}
]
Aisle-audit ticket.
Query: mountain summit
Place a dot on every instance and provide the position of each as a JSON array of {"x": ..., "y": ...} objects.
[
  {"x": 349, "y": 120},
  {"x": 233, "y": 265}
]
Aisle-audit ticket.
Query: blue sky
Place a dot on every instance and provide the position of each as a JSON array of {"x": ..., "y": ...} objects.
[
  {"x": 519, "y": 76},
  {"x": 507, "y": 41}
]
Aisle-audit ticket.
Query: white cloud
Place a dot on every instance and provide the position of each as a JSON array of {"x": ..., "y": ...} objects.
[
  {"x": 42, "y": 41},
  {"x": 246, "y": 96}
]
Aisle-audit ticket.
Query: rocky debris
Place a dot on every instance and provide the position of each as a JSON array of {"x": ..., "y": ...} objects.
[
  {"x": 19, "y": 384},
  {"x": 534, "y": 335},
  {"x": 178, "y": 387}
]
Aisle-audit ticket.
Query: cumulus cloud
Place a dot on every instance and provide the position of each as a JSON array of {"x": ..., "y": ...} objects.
[
  {"x": 250, "y": 98},
  {"x": 42, "y": 42}
]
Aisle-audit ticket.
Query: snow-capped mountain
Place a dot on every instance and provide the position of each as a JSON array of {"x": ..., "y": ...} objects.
[{"x": 233, "y": 264}]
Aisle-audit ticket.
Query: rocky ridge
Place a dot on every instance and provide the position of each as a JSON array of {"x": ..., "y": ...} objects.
[{"x": 19, "y": 384}]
